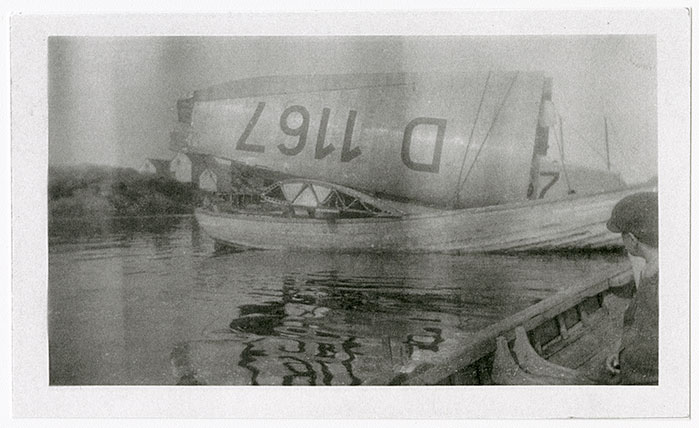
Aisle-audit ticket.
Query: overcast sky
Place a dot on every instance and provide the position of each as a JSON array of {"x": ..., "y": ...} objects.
[{"x": 112, "y": 100}]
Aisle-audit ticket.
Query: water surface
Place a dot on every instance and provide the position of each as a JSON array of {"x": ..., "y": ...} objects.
[{"x": 148, "y": 301}]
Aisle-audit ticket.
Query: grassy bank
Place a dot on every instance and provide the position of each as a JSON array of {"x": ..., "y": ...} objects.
[{"x": 99, "y": 191}]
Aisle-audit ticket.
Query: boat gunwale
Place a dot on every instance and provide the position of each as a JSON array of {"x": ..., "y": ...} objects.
[
  {"x": 261, "y": 216},
  {"x": 482, "y": 343}
]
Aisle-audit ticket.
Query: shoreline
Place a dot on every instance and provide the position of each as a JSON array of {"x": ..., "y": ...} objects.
[{"x": 119, "y": 217}]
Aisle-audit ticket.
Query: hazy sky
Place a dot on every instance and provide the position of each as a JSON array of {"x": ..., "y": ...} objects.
[{"x": 112, "y": 100}]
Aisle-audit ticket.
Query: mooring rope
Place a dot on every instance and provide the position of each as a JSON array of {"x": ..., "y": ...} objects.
[
  {"x": 586, "y": 143},
  {"x": 470, "y": 138},
  {"x": 492, "y": 125},
  {"x": 560, "y": 153}
]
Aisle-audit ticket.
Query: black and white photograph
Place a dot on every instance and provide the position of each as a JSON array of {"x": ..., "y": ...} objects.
[{"x": 359, "y": 210}]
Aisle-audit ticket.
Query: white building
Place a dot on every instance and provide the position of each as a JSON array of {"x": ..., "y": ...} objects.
[
  {"x": 158, "y": 167},
  {"x": 216, "y": 179},
  {"x": 206, "y": 172}
]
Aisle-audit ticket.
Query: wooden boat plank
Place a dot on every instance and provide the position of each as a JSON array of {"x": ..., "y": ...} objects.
[{"x": 603, "y": 335}]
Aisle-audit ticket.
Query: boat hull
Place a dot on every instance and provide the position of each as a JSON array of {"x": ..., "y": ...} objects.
[{"x": 570, "y": 223}]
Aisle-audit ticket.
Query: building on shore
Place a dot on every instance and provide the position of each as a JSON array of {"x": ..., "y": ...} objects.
[
  {"x": 216, "y": 178},
  {"x": 206, "y": 172},
  {"x": 157, "y": 167}
]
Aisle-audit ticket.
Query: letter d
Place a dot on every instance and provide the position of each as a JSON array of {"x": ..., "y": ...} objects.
[{"x": 441, "y": 124}]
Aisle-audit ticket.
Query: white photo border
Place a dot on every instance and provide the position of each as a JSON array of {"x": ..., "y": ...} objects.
[{"x": 32, "y": 395}]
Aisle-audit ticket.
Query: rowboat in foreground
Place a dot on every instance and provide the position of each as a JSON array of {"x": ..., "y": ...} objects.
[
  {"x": 321, "y": 216},
  {"x": 564, "y": 339}
]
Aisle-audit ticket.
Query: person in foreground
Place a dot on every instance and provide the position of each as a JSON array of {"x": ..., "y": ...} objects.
[
  {"x": 635, "y": 359},
  {"x": 636, "y": 218}
]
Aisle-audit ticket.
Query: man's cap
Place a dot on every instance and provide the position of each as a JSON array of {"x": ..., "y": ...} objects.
[{"x": 637, "y": 214}]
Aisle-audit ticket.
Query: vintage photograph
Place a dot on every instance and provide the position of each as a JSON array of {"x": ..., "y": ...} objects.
[{"x": 353, "y": 210}]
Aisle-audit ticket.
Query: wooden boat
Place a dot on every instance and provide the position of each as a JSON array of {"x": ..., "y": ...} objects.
[
  {"x": 574, "y": 222},
  {"x": 431, "y": 162},
  {"x": 564, "y": 339}
]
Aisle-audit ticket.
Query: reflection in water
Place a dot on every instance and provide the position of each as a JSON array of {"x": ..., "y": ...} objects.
[
  {"x": 304, "y": 346},
  {"x": 247, "y": 357},
  {"x": 149, "y": 301}
]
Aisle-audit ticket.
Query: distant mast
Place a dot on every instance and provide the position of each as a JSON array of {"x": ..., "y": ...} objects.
[
  {"x": 563, "y": 156},
  {"x": 560, "y": 127},
  {"x": 606, "y": 143}
]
